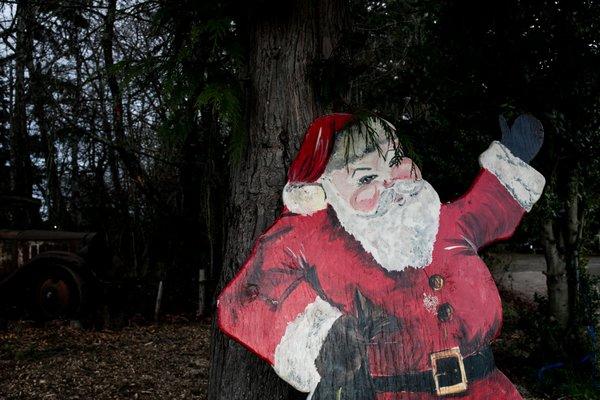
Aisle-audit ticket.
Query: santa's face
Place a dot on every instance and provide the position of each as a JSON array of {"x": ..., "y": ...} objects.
[
  {"x": 373, "y": 183},
  {"x": 386, "y": 206}
]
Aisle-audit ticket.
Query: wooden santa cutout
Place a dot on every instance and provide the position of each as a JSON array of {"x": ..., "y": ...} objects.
[{"x": 367, "y": 286}]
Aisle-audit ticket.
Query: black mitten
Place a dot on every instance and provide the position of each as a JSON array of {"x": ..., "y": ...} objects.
[
  {"x": 524, "y": 138},
  {"x": 342, "y": 364}
]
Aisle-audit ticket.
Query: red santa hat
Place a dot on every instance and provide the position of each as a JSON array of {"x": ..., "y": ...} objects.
[{"x": 302, "y": 194}]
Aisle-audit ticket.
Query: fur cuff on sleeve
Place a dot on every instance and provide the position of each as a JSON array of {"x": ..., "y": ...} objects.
[
  {"x": 523, "y": 182},
  {"x": 304, "y": 198},
  {"x": 298, "y": 349}
]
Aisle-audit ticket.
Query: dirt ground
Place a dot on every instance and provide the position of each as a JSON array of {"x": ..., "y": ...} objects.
[{"x": 62, "y": 361}]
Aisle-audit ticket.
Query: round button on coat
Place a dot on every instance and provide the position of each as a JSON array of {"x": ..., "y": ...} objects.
[
  {"x": 444, "y": 312},
  {"x": 436, "y": 282}
]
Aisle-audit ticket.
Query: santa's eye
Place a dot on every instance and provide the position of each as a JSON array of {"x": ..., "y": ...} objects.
[{"x": 365, "y": 180}]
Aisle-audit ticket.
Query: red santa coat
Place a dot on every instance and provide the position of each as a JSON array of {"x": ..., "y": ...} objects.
[{"x": 305, "y": 271}]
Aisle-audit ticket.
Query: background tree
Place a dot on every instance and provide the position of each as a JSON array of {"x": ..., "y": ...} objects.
[{"x": 285, "y": 42}]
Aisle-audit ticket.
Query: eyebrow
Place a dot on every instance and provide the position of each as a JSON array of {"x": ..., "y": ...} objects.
[{"x": 360, "y": 169}]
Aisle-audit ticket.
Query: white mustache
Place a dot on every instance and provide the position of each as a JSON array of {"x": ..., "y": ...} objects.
[{"x": 397, "y": 195}]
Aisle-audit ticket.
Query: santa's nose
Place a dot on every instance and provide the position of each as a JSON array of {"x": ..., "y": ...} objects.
[{"x": 406, "y": 169}]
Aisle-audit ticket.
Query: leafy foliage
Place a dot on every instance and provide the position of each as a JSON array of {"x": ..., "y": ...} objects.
[{"x": 224, "y": 99}]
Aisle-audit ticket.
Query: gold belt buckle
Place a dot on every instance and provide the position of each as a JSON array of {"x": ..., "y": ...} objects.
[{"x": 454, "y": 388}]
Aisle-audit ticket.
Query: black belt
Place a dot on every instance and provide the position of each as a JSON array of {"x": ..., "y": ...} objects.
[{"x": 449, "y": 374}]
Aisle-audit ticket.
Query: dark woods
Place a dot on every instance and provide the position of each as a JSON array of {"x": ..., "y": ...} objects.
[
  {"x": 110, "y": 118},
  {"x": 167, "y": 126}
]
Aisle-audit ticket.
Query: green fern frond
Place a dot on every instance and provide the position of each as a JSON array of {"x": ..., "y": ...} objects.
[{"x": 225, "y": 101}]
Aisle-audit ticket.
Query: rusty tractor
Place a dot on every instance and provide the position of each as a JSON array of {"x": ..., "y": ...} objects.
[
  {"x": 48, "y": 274},
  {"x": 46, "y": 271}
]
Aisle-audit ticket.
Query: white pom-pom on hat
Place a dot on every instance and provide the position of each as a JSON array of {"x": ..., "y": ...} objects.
[{"x": 304, "y": 198}]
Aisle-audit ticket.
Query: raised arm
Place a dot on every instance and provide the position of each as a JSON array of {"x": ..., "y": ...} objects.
[{"x": 506, "y": 187}]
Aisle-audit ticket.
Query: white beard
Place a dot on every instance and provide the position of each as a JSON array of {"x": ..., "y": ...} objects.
[{"x": 398, "y": 235}]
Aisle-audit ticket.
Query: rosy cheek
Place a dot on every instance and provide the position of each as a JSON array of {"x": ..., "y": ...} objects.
[
  {"x": 406, "y": 170},
  {"x": 365, "y": 199}
]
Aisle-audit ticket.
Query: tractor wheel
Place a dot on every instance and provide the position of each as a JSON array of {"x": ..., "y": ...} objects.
[{"x": 57, "y": 292}]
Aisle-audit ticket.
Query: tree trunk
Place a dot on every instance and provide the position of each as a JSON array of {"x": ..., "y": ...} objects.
[
  {"x": 285, "y": 38},
  {"x": 21, "y": 176},
  {"x": 561, "y": 238},
  {"x": 130, "y": 162},
  {"x": 109, "y": 128},
  {"x": 111, "y": 155},
  {"x": 75, "y": 214},
  {"x": 556, "y": 275},
  {"x": 572, "y": 242},
  {"x": 39, "y": 98}
]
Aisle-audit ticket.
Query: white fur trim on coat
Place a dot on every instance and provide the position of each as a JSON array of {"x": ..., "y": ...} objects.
[
  {"x": 304, "y": 198},
  {"x": 523, "y": 182},
  {"x": 299, "y": 347}
]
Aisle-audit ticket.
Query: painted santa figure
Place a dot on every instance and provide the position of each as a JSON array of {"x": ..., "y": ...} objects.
[{"x": 367, "y": 286}]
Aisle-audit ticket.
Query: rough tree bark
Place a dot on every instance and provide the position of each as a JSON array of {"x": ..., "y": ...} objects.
[{"x": 285, "y": 39}]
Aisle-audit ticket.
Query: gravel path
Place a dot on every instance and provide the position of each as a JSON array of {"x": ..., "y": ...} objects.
[{"x": 523, "y": 274}]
